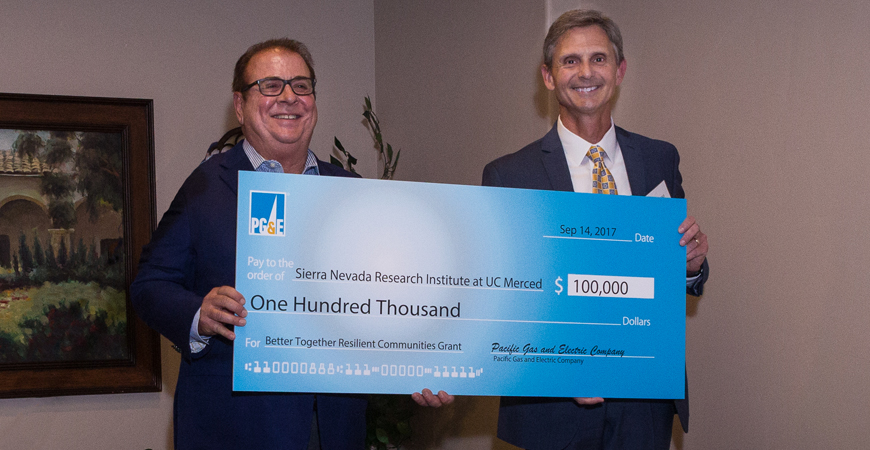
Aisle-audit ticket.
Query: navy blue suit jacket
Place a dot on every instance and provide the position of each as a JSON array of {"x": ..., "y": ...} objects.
[
  {"x": 552, "y": 422},
  {"x": 192, "y": 251}
]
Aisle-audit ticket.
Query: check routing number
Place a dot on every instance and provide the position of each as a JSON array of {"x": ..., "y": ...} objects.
[{"x": 373, "y": 286}]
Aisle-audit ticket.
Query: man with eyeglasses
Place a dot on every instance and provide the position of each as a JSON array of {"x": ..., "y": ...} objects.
[{"x": 184, "y": 288}]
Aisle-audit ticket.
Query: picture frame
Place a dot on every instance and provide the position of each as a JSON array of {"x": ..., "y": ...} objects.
[{"x": 65, "y": 143}]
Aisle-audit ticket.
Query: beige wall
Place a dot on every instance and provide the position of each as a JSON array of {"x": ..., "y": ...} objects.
[
  {"x": 180, "y": 54},
  {"x": 757, "y": 97},
  {"x": 456, "y": 83},
  {"x": 761, "y": 98}
]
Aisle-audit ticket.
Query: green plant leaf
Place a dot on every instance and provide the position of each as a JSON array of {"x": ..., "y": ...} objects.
[
  {"x": 339, "y": 146},
  {"x": 368, "y": 103},
  {"x": 389, "y": 153},
  {"x": 334, "y": 161},
  {"x": 383, "y": 436}
]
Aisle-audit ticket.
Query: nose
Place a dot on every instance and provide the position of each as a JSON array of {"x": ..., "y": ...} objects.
[
  {"x": 585, "y": 69},
  {"x": 288, "y": 95}
]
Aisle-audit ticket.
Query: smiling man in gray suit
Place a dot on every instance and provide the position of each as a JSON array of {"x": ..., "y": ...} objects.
[{"x": 586, "y": 152}]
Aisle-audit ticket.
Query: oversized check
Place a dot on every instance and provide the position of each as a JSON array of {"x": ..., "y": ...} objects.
[{"x": 373, "y": 286}]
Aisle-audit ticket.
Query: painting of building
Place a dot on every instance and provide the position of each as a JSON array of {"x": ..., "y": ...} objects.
[{"x": 62, "y": 285}]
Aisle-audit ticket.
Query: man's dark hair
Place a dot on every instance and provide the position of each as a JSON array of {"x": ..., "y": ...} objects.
[
  {"x": 297, "y": 47},
  {"x": 580, "y": 18}
]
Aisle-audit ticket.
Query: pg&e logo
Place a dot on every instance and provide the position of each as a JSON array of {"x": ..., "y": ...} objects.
[{"x": 267, "y": 214}]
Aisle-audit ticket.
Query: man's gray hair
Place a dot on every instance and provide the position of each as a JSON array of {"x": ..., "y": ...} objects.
[{"x": 580, "y": 18}]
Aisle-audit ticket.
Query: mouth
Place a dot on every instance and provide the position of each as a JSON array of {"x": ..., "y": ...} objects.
[
  {"x": 286, "y": 116},
  {"x": 586, "y": 90}
]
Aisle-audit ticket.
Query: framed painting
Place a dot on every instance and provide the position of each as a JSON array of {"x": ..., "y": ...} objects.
[{"x": 76, "y": 207}]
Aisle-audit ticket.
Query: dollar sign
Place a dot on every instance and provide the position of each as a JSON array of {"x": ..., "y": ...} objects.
[{"x": 559, "y": 291}]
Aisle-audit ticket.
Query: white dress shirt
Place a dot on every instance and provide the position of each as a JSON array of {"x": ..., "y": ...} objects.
[{"x": 580, "y": 166}]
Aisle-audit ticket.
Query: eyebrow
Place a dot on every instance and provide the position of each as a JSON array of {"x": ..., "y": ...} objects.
[{"x": 580, "y": 55}]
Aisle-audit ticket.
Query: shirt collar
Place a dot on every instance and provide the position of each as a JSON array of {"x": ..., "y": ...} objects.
[
  {"x": 257, "y": 159},
  {"x": 576, "y": 147}
]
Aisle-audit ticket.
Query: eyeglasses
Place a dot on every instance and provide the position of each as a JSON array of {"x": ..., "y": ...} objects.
[{"x": 274, "y": 86}]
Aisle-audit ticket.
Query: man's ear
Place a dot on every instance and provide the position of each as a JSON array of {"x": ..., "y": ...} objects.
[
  {"x": 238, "y": 105},
  {"x": 548, "y": 77},
  {"x": 620, "y": 72}
]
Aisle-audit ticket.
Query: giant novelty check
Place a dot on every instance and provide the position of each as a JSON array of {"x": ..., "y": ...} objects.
[{"x": 373, "y": 286}]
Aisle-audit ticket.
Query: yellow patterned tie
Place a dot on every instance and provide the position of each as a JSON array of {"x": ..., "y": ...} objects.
[{"x": 602, "y": 179}]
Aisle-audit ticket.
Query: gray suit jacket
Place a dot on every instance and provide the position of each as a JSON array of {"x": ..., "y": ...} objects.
[{"x": 551, "y": 422}]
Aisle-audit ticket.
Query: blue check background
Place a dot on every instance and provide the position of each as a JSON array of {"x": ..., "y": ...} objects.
[{"x": 394, "y": 227}]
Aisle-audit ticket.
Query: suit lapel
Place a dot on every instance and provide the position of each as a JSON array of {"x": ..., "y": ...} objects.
[
  {"x": 634, "y": 165},
  {"x": 554, "y": 161},
  {"x": 234, "y": 161},
  {"x": 325, "y": 168}
]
